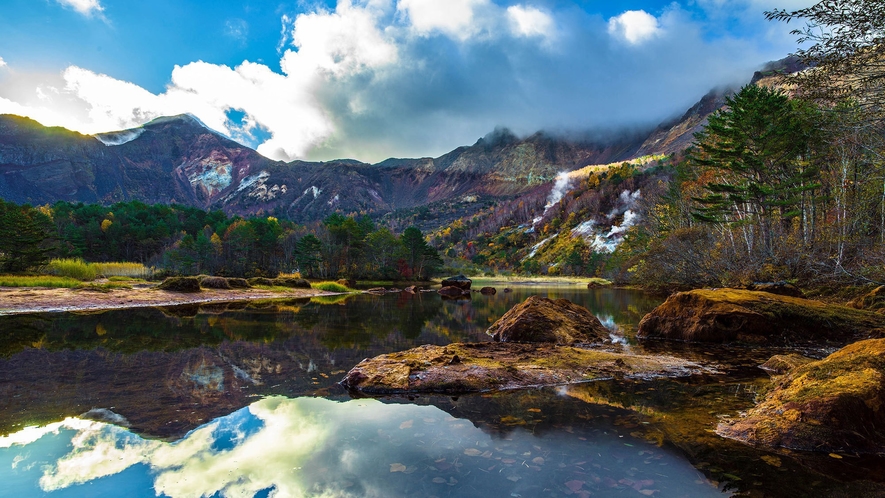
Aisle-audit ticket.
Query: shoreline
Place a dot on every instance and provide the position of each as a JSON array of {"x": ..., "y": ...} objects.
[{"x": 25, "y": 300}]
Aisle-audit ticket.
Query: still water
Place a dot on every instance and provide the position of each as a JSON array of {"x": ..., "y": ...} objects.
[{"x": 242, "y": 399}]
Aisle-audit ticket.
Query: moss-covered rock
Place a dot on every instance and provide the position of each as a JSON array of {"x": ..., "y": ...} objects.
[
  {"x": 874, "y": 301},
  {"x": 294, "y": 283},
  {"x": 734, "y": 315},
  {"x": 833, "y": 405},
  {"x": 180, "y": 284},
  {"x": 780, "y": 364},
  {"x": 538, "y": 319},
  {"x": 459, "y": 281},
  {"x": 214, "y": 283},
  {"x": 476, "y": 367},
  {"x": 779, "y": 288},
  {"x": 267, "y": 282}
]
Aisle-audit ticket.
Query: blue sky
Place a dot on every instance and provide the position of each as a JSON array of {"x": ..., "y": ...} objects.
[{"x": 372, "y": 79}]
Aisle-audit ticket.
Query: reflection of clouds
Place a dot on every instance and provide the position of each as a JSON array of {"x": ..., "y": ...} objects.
[{"x": 290, "y": 434}]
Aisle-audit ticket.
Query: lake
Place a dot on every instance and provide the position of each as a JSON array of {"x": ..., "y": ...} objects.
[{"x": 241, "y": 399}]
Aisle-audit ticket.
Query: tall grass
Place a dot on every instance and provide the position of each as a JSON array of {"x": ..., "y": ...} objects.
[
  {"x": 81, "y": 270},
  {"x": 331, "y": 287},
  {"x": 38, "y": 281}
]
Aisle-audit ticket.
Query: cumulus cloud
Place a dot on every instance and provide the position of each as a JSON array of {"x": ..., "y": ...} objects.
[
  {"x": 634, "y": 26},
  {"x": 371, "y": 79},
  {"x": 530, "y": 21},
  {"x": 85, "y": 7},
  {"x": 2, "y": 62}
]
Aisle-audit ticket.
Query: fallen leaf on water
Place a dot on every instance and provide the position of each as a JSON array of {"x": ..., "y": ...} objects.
[
  {"x": 535, "y": 410},
  {"x": 836, "y": 456},
  {"x": 648, "y": 492},
  {"x": 514, "y": 478},
  {"x": 538, "y": 460},
  {"x": 508, "y": 461},
  {"x": 397, "y": 467},
  {"x": 439, "y": 480},
  {"x": 406, "y": 424},
  {"x": 487, "y": 454},
  {"x": 771, "y": 460},
  {"x": 575, "y": 485},
  {"x": 472, "y": 452}
]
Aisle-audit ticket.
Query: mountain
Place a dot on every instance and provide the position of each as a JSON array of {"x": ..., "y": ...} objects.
[{"x": 179, "y": 160}]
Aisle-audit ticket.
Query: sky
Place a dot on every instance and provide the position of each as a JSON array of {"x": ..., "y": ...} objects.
[{"x": 372, "y": 79}]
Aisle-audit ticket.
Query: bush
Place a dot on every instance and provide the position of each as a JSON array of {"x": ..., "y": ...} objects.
[
  {"x": 295, "y": 283},
  {"x": 238, "y": 283},
  {"x": 331, "y": 287},
  {"x": 180, "y": 284},
  {"x": 73, "y": 268},
  {"x": 41, "y": 281},
  {"x": 214, "y": 283}
]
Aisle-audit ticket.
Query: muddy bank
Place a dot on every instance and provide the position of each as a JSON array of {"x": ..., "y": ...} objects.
[{"x": 19, "y": 300}]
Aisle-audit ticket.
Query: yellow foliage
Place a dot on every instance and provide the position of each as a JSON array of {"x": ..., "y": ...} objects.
[{"x": 106, "y": 224}]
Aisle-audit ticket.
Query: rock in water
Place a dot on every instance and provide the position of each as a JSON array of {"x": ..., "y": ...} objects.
[
  {"x": 538, "y": 319},
  {"x": 451, "y": 291},
  {"x": 459, "y": 281},
  {"x": 833, "y": 405},
  {"x": 488, "y": 291},
  {"x": 737, "y": 315}
]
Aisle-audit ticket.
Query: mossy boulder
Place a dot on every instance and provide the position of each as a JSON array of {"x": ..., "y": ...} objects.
[
  {"x": 742, "y": 316},
  {"x": 180, "y": 284},
  {"x": 874, "y": 301},
  {"x": 238, "y": 283},
  {"x": 255, "y": 281},
  {"x": 538, "y": 319},
  {"x": 294, "y": 283},
  {"x": 214, "y": 283},
  {"x": 833, "y": 405},
  {"x": 459, "y": 281},
  {"x": 476, "y": 367},
  {"x": 779, "y": 288},
  {"x": 780, "y": 364}
]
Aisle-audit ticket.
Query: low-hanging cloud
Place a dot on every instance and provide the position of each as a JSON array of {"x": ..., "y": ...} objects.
[{"x": 371, "y": 79}]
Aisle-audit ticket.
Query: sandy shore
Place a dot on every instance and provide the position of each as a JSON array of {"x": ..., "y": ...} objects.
[{"x": 18, "y": 300}]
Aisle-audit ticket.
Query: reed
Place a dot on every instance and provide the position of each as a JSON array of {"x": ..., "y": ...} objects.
[
  {"x": 38, "y": 281},
  {"x": 331, "y": 287}
]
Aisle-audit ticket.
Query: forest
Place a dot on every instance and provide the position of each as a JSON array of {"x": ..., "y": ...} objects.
[{"x": 179, "y": 240}]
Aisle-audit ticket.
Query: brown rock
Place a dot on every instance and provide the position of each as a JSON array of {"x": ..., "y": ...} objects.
[
  {"x": 538, "y": 319},
  {"x": 411, "y": 289},
  {"x": 736, "y": 315},
  {"x": 833, "y": 405},
  {"x": 180, "y": 284},
  {"x": 377, "y": 290},
  {"x": 779, "y": 288},
  {"x": 451, "y": 291},
  {"x": 475, "y": 367},
  {"x": 459, "y": 281},
  {"x": 488, "y": 291},
  {"x": 347, "y": 282},
  {"x": 214, "y": 283},
  {"x": 508, "y": 289}
]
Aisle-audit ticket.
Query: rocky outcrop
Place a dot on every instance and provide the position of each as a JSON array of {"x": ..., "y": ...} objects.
[
  {"x": 780, "y": 288},
  {"x": 832, "y": 405},
  {"x": 459, "y": 281},
  {"x": 538, "y": 319},
  {"x": 874, "y": 301},
  {"x": 734, "y": 315},
  {"x": 476, "y": 367}
]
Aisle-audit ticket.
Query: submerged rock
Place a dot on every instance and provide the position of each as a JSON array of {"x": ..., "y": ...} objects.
[
  {"x": 735, "y": 315},
  {"x": 832, "y": 405},
  {"x": 779, "y": 288},
  {"x": 459, "y": 281},
  {"x": 463, "y": 368},
  {"x": 180, "y": 284},
  {"x": 451, "y": 291},
  {"x": 538, "y": 319}
]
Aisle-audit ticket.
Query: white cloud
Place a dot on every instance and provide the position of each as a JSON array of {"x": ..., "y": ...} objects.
[
  {"x": 2, "y": 62},
  {"x": 85, "y": 7},
  {"x": 530, "y": 21},
  {"x": 634, "y": 26},
  {"x": 455, "y": 18}
]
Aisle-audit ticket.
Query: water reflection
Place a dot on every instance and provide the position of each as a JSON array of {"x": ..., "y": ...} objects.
[{"x": 318, "y": 447}]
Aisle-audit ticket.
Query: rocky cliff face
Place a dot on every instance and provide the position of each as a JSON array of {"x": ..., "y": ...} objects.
[{"x": 178, "y": 160}]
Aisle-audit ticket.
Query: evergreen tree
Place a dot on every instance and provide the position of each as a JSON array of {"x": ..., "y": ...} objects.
[{"x": 25, "y": 240}]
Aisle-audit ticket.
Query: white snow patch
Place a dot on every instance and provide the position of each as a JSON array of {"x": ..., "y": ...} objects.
[{"x": 119, "y": 137}]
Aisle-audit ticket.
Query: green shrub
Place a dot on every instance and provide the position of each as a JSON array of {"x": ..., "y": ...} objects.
[
  {"x": 73, "y": 268},
  {"x": 331, "y": 287}
]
